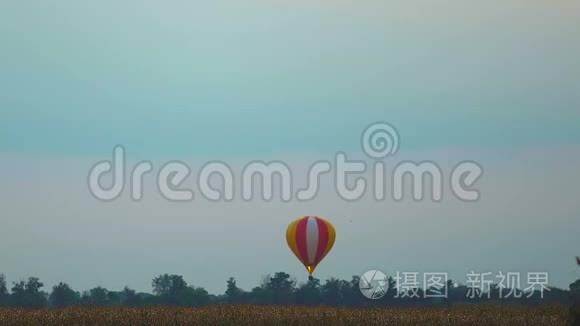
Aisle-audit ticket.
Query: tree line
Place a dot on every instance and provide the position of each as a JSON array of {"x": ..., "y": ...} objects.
[{"x": 279, "y": 289}]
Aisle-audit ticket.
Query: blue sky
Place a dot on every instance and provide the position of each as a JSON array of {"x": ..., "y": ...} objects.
[
  {"x": 266, "y": 79},
  {"x": 262, "y": 77}
]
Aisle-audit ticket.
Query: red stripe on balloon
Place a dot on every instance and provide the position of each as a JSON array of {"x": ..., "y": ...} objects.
[
  {"x": 322, "y": 239},
  {"x": 301, "y": 240}
]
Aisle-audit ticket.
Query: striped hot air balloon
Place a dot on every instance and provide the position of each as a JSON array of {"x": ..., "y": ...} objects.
[{"x": 310, "y": 238}]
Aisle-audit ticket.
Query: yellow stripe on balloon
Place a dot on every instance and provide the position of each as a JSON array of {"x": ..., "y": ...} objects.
[
  {"x": 291, "y": 238},
  {"x": 331, "y": 237}
]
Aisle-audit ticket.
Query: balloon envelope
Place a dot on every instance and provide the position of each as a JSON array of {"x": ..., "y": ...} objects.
[{"x": 310, "y": 238}]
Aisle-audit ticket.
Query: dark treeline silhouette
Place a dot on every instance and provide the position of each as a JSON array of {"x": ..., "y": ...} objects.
[{"x": 279, "y": 289}]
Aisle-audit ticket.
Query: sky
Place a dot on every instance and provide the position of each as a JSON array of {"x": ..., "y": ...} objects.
[{"x": 495, "y": 82}]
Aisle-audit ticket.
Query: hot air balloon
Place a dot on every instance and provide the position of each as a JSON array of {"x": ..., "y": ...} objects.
[{"x": 310, "y": 238}]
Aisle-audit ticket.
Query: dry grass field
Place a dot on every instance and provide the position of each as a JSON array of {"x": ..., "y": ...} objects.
[{"x": 271, "y": 315}]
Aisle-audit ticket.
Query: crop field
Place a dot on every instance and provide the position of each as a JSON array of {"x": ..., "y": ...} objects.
[{"x": 275, "y": 315}]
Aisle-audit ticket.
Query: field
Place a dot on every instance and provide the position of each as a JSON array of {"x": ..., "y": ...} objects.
[{"x": 270, "y": 315}]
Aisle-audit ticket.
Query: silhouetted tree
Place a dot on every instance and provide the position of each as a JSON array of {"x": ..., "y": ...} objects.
[
  {"x": 259, "y": 295},
  {"x": 194, "y": 296},
  {"x": 575, "y": 287},
  {"x": 170, "y": 289},
  {"x": 95, "y": 297},
  {"x": 309, "y": 293},
  {"x": 114, "y": 298},
  {"x": 351, "y": 292},
  {"x": 4, "y": 295},
  {"x": 332, "y": 292},
  {"x": 131, "y": 298},
  {"x": 280, "y": 288},
  {"x": 63, "y": 296},
  {"x": 233, "y": 293},
  {"x": 574, "y": 317},
  {"x": 28, "y": 294}
]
